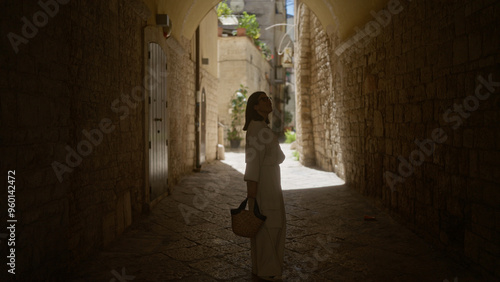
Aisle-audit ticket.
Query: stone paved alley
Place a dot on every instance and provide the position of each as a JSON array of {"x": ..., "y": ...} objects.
[{"x": 188, "y": 236}]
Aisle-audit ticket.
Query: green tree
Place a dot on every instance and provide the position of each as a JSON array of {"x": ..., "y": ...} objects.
[{"x": 238, "y": 105}]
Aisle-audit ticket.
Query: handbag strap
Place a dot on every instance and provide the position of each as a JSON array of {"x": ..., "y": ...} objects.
[
  {"x": 240, "y": 208},
  {"x": 243, "y": 205},
  {"x": 256, "y": 210}
]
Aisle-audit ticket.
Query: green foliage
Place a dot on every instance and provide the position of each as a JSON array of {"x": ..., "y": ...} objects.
[
  {"x": 266, "y": 52},
  {"x": 238, "y": 105},
  {"x": 296, "y": 155},
  {"x": 286, "y": 91},
  {"x": 250, "y": 23},
  {"x": 233, "y": 134},
  {"x": 288, "y": 118},
  {"x": 223, "y": 9},
  {"x": 290, "y": 136}
]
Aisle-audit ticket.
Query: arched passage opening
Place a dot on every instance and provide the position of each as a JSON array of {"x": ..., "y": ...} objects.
[{"x": 413, "y": 107}]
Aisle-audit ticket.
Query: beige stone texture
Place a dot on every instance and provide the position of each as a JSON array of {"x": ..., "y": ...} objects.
[
  {"x": 209, "y": 80},
  {"x": 362, "y": 113},
  {"x": 72, "y": 81}
]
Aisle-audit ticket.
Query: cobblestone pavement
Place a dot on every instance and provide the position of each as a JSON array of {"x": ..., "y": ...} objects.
[{"x": 188, "y": 236}]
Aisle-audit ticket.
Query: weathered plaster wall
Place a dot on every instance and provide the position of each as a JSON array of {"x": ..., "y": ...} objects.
[{"x": 240, "y": 62}]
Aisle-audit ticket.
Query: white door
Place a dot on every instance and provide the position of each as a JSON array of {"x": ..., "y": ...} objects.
[{"x": 158, "y": 123}]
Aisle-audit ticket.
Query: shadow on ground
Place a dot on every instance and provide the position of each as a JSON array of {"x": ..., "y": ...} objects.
[{"x": 188, "y": 237}]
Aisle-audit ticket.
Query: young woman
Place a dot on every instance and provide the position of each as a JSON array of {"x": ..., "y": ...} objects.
[{"x": 262, "y": 174}]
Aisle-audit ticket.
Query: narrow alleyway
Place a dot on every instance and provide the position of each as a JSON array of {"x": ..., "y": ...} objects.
[{"x": 188, "y": 236}]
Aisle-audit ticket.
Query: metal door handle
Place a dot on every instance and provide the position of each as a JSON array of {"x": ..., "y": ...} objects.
[{"x": 158, "y": 119}]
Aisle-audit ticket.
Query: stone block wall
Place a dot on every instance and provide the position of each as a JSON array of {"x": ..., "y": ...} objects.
[
  {"x": 418, "y": 129},
  {"x": 105, "y": 64},
  {"x": 211, "y": 83},
  {"x": 60, "y": 113},
  {"x": 73, "y": 129},
  {"x": 209, "y": 73},
  {"x": 303, "y": 89},
  {"x": 181, "y": 96},
  {"x": 323, "y": 108}
]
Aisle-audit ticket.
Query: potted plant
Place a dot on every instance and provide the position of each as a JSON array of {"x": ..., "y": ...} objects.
[
  {"x": 266, "y": 52},
  {"x": 250, "y": 24},
  {"x": 223, "y": 11},
  {"x": 241, "y": 31},
  {"x": 238, "y": 104},
  {"x": 234, "y": 138}
]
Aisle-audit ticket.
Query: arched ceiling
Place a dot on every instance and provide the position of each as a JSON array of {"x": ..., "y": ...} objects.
[
  {"x": 344, "y": 16},
  {"x": 341, "y": 16},
  {"x": 185, "y": 15}
]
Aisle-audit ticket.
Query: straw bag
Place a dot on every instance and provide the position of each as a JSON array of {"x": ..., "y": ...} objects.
[{"x": 246, "y": 223}]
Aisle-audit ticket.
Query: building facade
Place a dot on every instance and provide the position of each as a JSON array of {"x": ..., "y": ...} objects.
[{"x": 240, "y": 63}]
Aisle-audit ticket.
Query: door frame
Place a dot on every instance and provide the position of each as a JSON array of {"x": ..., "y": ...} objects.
[{"x": 203, "y": 126}]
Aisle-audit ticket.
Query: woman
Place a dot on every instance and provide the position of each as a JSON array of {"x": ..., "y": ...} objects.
[{"x": 262, "y": 174}]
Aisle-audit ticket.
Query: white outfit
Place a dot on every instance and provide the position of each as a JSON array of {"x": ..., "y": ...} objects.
[{"x": 263, "y": 156}]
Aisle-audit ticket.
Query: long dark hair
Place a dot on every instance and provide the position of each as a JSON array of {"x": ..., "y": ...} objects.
[{"x": 250, "y": 112}]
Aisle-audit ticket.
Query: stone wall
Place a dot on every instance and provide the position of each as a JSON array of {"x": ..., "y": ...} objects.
[
  {"x": 323, "y": 110},
  {"x": 211, "y": 83},
  {"x": 409, "y": 114},
  {"x": 305, "y": 138},
  {"x": 58, "y": 111},
  {"x": 74, "y": 131},
  {"x": 209, "y": 80},
  {"x": 181, "y": 96}
]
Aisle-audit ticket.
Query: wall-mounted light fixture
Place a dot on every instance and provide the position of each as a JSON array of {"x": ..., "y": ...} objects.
[
  {"x": 279, "y": 75},
  {"x": 163, "y": 20}
]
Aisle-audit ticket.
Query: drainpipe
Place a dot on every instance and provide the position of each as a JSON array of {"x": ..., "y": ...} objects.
[{"x": 197, "y": 100}]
